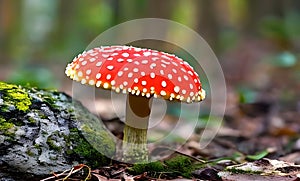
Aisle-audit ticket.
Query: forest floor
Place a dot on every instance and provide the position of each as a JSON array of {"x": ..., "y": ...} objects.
[{"x": 257, "y": 141}]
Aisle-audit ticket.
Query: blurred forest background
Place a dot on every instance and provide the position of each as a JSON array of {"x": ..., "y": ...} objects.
[{"x": 256, "y": 41}]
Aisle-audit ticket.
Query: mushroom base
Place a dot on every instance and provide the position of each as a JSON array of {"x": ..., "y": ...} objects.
[
  {"x": 135, "y": 146},
  {"x": 138, "y": 110}
]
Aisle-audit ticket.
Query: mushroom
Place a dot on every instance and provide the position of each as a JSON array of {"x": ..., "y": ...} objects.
[{"x": 141, "y": 74}]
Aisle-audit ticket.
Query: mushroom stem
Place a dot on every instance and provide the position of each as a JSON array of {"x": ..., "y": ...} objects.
[{"x": 138, "y": 110}]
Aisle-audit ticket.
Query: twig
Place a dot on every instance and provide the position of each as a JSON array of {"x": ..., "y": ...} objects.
[{"x": 74, "y": 169}]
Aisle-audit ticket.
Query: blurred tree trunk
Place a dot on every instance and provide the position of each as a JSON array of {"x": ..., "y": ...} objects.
[
  {"x": 9, "y": 19},
  {"x": 126, "y": 10},
  {"x": 115, "y": 4},
  {"x": 155, "y": 9},
  {"x": 258, "y": 9},
  {"x": 160, "y": 9},
  {"x": 66, "y": 14},
  {"x": 208, "y": 26},
  {"x": 68, "y": 26},
  {"x": 3, "y": 24}
]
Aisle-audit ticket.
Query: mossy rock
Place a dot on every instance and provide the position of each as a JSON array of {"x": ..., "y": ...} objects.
[{"x": 44, "y": 131}]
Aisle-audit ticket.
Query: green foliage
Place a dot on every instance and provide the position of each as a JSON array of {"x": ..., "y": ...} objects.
[
  {"x": 285, "y": 28},
  {"x": 91, "y": 16},
  {"x": 183, "y": 11},
  {"x": 292, "y": 24},
  {"x": 35, "y": 77},
  {"x": 246, "y": 95},
  {"x": 208, "y": 121},
  {"x": 258, "y": 156},
  {"x": 284, "y": 59},
  {"x": 16, "y": 96},
  {"x": 274, "y": 28}
]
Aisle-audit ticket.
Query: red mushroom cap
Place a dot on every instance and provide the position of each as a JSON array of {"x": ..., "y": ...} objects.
[{"x": 138, "y": 71}]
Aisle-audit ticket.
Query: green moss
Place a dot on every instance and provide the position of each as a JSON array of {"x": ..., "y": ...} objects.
[
  {"x": 84, "y": 149},
  {"x": 50, "y": 101},
  {"x": 140, "y": 168},
  {"x": 177, "y": 166},
  {"x": 100, "y": 138},
  {"x": 75, "y": 130},
  {"x": 16, "y": 96},
  {"x": 69, "y": 152},
  {"x": 22, "y": 101},
  {"x": 31, "y": 120},
  {"x": 44, "y": 133},
  {"x": 29, "y": 153},
  {"x": 6, "y": 127},
  {"x": 7, "y": 86},
  {"x": 16, "y": 122},
  {"x": 52, "y": 145},
  {"x": 92, "y": 139},
  {"x": 37, "y": 146},
  {"x": 182, "y": 165}
]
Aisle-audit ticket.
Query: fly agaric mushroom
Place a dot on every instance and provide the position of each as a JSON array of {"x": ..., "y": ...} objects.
[{"x": 141, "y": 74}]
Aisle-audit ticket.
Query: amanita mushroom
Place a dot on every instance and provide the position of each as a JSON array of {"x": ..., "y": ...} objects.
[{"x": 141, "y": 74}]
